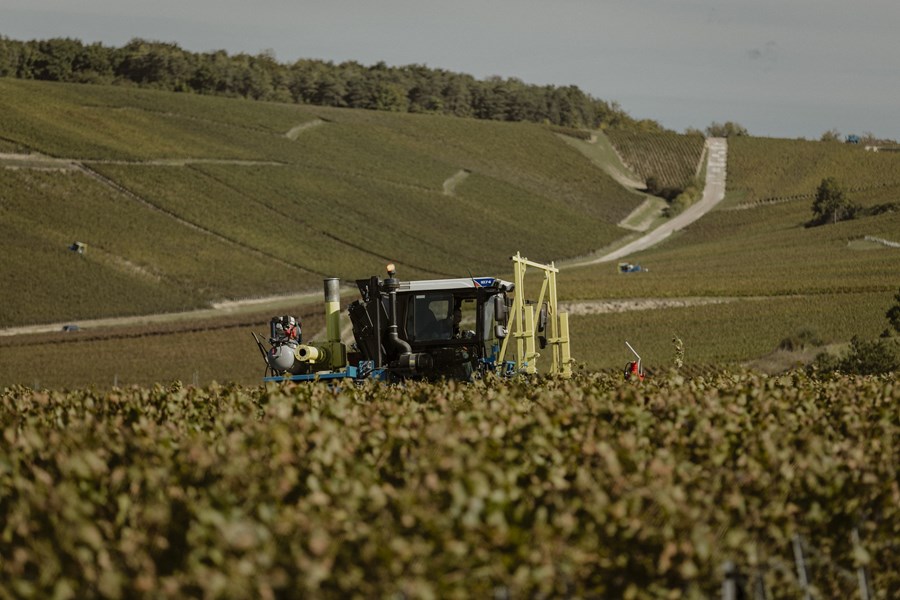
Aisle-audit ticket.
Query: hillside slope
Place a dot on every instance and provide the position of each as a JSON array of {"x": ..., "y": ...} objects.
[
  {"x": 750, "y": 273},
  {"x": 767, "y": 170},
  {"x": 183, "y": 200}
]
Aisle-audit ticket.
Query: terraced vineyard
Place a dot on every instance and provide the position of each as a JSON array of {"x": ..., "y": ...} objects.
[
  {"x": 672, "y": 159},
  {"x": 591, "y": 487}
]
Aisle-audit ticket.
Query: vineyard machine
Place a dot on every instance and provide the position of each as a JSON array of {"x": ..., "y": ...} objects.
[{"x": 433, "y": 329}]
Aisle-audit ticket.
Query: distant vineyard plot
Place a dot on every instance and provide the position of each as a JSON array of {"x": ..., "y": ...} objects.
[
  {"x": 670, "y": 158},
  {"x": 765, "y": 169}
]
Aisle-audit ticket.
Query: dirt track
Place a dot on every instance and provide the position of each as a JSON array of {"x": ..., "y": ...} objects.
[
  {"x": 276, "y": 303},
  {"x": 219, "y": 309},
  {"x": 599, "y": 307}
]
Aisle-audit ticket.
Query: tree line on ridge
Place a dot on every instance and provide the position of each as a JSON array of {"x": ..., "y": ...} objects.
[{"x": 410, "y": 88}]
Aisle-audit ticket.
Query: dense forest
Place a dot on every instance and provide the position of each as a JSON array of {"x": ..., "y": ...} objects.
[{"x": 410, "y": 88}]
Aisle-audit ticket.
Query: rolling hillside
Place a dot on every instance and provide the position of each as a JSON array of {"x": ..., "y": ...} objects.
[
  {"x": 751, "y": 274},
  {"x": 185, "y": 200}
]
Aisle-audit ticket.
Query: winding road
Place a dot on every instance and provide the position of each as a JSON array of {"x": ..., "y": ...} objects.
[{"x": 713, "y": 193}]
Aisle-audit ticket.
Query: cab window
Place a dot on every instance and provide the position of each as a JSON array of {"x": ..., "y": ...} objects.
[{"x": 430, "y": 317}]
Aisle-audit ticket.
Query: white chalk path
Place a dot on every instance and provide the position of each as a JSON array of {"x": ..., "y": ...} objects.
[{"x": 713, "y": 193}]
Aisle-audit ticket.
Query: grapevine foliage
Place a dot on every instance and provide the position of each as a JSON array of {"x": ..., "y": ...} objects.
[{"x": 591, "y": 487}]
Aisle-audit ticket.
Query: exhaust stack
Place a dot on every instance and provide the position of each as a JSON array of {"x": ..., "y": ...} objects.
[{"x": 333, "y": 309}]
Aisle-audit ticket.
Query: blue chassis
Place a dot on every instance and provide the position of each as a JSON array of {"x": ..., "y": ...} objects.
[{"x": 364, "y": 371}]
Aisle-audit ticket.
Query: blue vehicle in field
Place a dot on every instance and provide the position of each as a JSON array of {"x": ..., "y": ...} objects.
[{"x": 456, "y": 328}]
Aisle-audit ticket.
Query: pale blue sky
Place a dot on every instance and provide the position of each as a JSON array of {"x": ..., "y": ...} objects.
[{"x": 783, "y": 68}]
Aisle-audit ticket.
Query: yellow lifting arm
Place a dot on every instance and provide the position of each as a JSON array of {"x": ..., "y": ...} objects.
[{"x": 524, "y": 330}]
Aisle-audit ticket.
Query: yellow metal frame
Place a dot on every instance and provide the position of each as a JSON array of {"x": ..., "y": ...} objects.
[{"x": 522, "y": 327}]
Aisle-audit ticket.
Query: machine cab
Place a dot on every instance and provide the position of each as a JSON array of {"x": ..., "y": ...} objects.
[
  {"x": 457, "y": 321},
  {"x": 431, "y": 329},
  {"x": 449, "y": 316}
]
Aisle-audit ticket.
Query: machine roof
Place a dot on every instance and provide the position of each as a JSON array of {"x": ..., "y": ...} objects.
[{"x": 430, "y": 285}]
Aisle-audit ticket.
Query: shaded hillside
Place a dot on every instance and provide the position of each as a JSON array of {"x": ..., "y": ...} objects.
[{"x": 186, "y": 199}]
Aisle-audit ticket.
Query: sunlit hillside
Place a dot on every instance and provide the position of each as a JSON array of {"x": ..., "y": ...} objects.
[{"x": 182, "y": 199}]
